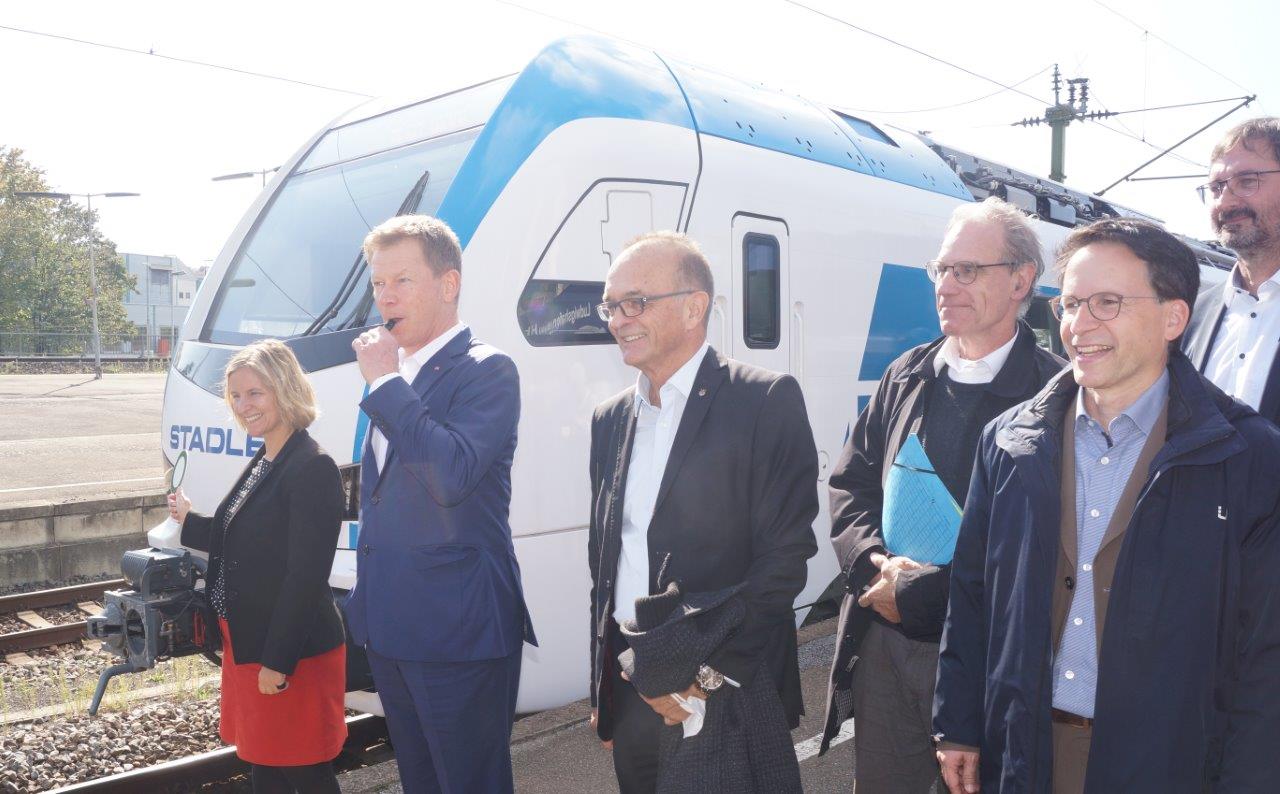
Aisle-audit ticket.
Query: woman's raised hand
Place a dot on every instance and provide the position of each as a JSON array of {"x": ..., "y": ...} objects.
[{"x": 179, "y": 506}]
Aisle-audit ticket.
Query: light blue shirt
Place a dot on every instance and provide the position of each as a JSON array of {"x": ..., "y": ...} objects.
[{"x": 1104, "y": 462}]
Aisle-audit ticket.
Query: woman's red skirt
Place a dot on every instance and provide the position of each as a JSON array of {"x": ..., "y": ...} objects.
[{"x": 302, "y": 725}]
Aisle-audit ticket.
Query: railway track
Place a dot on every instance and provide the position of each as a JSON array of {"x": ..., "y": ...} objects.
[
  {"x": 42, "y": 634},
  {"x": 366, "y": 745}
]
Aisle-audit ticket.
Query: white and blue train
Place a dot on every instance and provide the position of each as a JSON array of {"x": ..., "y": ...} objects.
[{"x": 817, "y": 225}]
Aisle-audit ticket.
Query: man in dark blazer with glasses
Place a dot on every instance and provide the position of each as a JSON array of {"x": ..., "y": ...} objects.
[
  {"x": 1234, "y": 338},
  {"x": 703, "y": 473}
]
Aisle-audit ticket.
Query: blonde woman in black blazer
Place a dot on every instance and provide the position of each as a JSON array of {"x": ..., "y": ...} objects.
[{"x": 271, "y": 544}]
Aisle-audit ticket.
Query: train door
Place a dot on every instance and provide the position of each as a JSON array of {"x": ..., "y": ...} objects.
[{"x": 763, "y": 325}]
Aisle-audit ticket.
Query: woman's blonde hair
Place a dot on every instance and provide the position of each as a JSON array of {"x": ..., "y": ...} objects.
[{"x": 279, "y": 369}]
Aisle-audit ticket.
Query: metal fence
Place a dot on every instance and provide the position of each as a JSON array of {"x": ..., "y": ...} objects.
[{"x": 60, "y": 344}]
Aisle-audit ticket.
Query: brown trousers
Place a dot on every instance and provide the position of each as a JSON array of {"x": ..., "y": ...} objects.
[{"x": 1070, "y": 758}]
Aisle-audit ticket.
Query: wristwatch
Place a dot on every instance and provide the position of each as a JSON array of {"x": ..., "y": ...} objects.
[{"x": 708, "y": 679}]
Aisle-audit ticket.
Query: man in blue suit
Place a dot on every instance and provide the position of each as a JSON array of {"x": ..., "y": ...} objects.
[{"x": 438, "y": 604}]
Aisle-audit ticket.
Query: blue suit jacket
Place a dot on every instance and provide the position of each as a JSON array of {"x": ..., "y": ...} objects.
[{"x": 436, "y": 574}]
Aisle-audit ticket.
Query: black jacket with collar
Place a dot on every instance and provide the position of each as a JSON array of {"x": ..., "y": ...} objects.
[
  {"x": 857, "y": 497},
  {"x": 278, "y": 553},
  {"x": 736, "y": 504},
  {"x": 1199, "y": 339}
]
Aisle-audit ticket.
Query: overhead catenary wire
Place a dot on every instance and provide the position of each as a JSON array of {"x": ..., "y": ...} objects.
[
  {"x": 1245, "y": 103},
  {"x": 1128, "y": 131},
  {"x": 1168, "y": 43},
  {"x": 1028, "y": 78},
  {"x": 915, "y": 50},
  {"x": 972, "y": 73},
  {"x": 1163, "y": 178},
  {"x": 1146, "y": 142},
  {"x": 187, "y": 61},
  {"x": 1183, "y": 105}
]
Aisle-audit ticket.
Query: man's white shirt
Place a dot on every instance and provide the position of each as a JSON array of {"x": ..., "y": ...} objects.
[
  {"x": 1246, "y": 342},
  {"x": 410, "y": 366},
  {"x": 655, "y": 431},
  {"x": 962, "y": 370}
]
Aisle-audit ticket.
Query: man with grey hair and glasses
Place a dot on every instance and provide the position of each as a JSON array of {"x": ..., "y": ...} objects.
[
  {"x": 1234, "y": 337},
  {"x": 897, "y": 492}
]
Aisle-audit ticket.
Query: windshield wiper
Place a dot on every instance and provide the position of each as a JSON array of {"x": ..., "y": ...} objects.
[{"x": 350, "y": 281}]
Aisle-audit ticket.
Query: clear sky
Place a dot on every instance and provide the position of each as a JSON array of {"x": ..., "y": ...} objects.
[{"x": 100, "y": 119}]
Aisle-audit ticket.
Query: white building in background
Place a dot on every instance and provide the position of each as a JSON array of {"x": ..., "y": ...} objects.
[{"x": 157, "y": 305}]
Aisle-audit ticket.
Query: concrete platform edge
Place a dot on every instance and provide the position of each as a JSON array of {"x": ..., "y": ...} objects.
[{"x": 83, "y": 507}]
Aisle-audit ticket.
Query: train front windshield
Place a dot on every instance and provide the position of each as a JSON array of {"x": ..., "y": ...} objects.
[{"x": 299, "y": 271}]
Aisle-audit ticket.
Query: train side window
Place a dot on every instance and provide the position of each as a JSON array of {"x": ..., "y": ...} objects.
[
  {"x": 557, "y": 313},
  {"x": 761, "y": 271},
  {"x": 1045, "y": 325}
]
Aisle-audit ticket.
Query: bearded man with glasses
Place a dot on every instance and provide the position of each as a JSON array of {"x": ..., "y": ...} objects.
[
  {"x": 1114, "y": 621},
  {"x": 915, "y": 442},
  {"x": 703, "y": 473},
  {"x": 1234, "y": 337}
]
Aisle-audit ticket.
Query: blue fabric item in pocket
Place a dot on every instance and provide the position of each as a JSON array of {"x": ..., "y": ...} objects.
[{"x": 920, "y": 518}]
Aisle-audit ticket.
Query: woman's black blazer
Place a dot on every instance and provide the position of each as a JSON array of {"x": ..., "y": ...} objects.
[{"x": 277, "y": 553}]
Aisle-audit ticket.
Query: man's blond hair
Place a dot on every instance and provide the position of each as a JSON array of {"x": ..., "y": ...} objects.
[{"x": 440, "y": 246}]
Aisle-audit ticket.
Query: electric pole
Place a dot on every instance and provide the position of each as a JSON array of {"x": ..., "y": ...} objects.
[{"x": 1076, "y": 108}]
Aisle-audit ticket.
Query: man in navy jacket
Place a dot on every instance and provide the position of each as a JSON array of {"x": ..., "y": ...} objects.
[
  {"x": 438, "y": 604},
  {"x": 1114, "y": 621}
]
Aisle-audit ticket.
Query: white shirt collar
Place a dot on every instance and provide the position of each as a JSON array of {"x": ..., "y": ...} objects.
[
  {"x": 983, "y": 370},
  {"x": 1233, "y": 287},
  {"x": 424, "y": 354},
  {"x": 681, "y": 381}
]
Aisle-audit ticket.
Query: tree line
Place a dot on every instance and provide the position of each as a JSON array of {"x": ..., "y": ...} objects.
[{"x": 44, "y": 265}]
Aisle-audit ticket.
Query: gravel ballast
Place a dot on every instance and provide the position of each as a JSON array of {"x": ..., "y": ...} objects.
[{"x": 45, "y": 755}]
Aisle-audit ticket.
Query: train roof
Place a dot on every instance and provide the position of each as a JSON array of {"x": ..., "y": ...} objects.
[{"x": 595, "y": 77}]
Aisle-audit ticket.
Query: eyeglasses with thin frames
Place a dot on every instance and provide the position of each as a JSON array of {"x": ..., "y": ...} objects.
[
  {"x": 1102, "y": 305},
  {"x": 634, "y": 307},
  {"x": 964, "y": 272},
  {"x": 1241, "y": 185}
]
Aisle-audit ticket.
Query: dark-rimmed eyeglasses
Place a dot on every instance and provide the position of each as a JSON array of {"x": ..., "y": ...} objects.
[
  {"x": 1241, "y": 185},
  {"x": 1102, "y": 305},
  {"x": 634, "y": 307},
  {"x": 964, "y": 272}
]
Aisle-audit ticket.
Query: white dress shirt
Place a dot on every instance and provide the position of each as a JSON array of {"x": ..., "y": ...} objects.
[
  {"x": 409, "y": 368},
  {"x": 655, "y": 431},
  {"x": 1247, "y": 340},
  {"x": 962, "y": 370}
]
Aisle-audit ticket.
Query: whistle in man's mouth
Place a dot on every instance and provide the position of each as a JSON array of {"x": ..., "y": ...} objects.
[{"x": 390, "y": 325}]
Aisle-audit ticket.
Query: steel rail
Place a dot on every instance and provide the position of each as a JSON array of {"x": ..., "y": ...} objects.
[
  {"x": 30, "y": 639},
  {"x": 58, "y": 596},
  {"x": 366, "y": 737}
]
